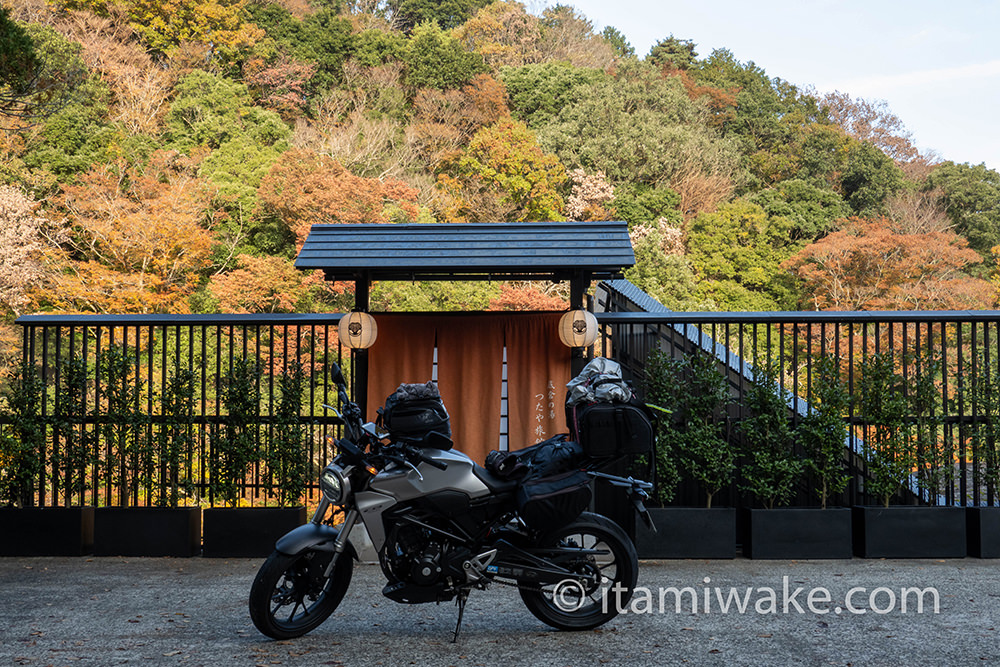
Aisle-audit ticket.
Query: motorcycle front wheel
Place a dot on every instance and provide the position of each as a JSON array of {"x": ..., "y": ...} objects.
[
  {"x": 289, "y": 597},
  {"x": 606, "y": 566}
]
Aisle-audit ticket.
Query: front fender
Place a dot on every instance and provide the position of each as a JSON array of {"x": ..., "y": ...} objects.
[{"x": 312, "y": 536}]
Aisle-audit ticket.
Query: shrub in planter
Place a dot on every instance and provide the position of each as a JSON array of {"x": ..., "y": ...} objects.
[
  {"x": 773, "y": 469},
  {"x": 74, "y": 455},
  {"x": 286, "y": 457},
  {"x": 812, "y": 532},
  {"x": 692, "y": 443},
  {"x": 234, "y": 531},
  {"x": 889, "y": 452},
  {"x": 21, "y": 450},
  {"x": 130, "y": 529},
  {"x": 176, "y": 437},
  {"x": 983, "y": 523},
  {"x": 821, "y": 432},
  {"x": 893, "y": 449},
  {"x": 692, "y": 394},
  {"x": 28, "y": 530},
  {"x": 934, "y": 469},
  {"x": 131, "y": 460},
  {"x": 234, "y": 442},
  {"x": 771, "y": 475}
]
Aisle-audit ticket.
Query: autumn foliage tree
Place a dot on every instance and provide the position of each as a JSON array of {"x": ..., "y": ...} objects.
[
  {"x": 504, "y": 33},
  {"x": 165, "y": 24},
  {"x": 872, "y": 121},
  {"x": 266, "y": 285},
  {"x": 21, "y": 246},
  {"x": 136, "y": 239},
  {"x": 446, "y": 120},
  {"x": 867, "y": 265},
  {"x": 504, "y": 162},
  {"x": 305, "y": 188},
  {"x": 526, "y": 296}
]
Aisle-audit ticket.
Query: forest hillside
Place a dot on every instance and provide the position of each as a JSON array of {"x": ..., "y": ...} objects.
[{"x": 169, "y": 156}]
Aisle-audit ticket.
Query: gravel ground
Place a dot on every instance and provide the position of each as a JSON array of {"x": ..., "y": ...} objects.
[{"x": 110, "y": 611}]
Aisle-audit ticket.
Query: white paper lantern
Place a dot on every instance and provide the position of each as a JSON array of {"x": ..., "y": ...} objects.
[
  {"x": 357, "y": 330},
  {"x": 578, "y": 328}
]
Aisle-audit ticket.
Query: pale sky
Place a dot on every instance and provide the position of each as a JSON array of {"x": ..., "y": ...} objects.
[{"x": 936, "y": 63}]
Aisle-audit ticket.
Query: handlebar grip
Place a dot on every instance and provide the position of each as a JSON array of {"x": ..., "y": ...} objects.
[{"x": 440, "y": 465}]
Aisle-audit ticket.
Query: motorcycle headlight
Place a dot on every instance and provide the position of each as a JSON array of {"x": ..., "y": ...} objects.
[{"x": 334, "y": 484}]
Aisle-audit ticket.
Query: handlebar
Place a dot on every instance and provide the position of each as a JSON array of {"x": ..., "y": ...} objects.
[
  {"x": 440, "y": 465},
  {"x": 412, "y": 452}
]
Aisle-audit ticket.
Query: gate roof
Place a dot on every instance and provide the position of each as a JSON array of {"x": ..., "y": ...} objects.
[{"x": 467, "y": 251}]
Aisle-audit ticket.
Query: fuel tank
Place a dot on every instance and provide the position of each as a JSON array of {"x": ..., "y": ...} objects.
[{"x": 404, "y": 483}]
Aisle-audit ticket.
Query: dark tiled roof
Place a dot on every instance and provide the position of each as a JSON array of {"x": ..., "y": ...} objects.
[{"x": 530, "y": 250}]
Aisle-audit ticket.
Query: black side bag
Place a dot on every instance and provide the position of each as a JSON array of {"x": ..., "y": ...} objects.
[
  {"x": 553, "y": 501},
  {"x": 612, "y": 429}
]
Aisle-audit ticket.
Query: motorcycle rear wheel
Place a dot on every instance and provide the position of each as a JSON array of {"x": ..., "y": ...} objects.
[
  {"x": 289, "y": 596},
  {"x": 610, "y": 575}
]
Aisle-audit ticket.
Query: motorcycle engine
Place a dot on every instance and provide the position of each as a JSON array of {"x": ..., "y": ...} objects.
[{"x": 415, "y": 556}]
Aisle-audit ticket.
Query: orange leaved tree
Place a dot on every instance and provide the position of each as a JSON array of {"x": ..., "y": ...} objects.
[
  {"x": 136, "y": 239},
  {"x": 303, "y": 188},
  {"x": 868, "y": 265}
]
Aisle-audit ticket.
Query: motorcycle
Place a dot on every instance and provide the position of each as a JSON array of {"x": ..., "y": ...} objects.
[{"x": 443, "y": 526}]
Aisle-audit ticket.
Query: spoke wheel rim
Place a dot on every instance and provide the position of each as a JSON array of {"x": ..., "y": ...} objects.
[{"x": 296, "y": 588}]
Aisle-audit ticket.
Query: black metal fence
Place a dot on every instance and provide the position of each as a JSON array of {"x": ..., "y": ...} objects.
[
  {"x": 957, "y": 354},
  {"x": 132, "y": 407}
]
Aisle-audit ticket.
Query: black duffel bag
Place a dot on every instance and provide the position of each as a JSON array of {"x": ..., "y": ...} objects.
[
  {"x": 555, "y": 455},
  {"x": 555, "y": 500}
]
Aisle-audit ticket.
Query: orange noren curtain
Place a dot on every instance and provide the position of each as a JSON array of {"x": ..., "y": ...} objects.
[
  {"x": 403, "y": 352},
  {"x": 538, "y": 368},
  {"x": 470, "y": 361}
]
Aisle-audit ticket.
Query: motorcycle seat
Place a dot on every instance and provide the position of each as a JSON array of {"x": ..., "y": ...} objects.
[{"x": 495, "y": 484}]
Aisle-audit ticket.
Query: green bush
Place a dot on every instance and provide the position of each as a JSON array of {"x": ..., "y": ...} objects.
[
  {"x": 234, "y": 441},
  {"x": 692, "y": 442},
  {"x": 822, "y": 433},
  {"x": 131, "y": 461},
  {"x": 176, "y": 437},
  {"x": 286, "y": 457},
  {"x": 773, "y": 469},
  {"x": 21, "y": 450},
  {"x": 880, "y": 401},
  {"x": 74, "y": 453}
]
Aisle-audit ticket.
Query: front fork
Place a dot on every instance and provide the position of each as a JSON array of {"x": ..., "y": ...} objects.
[{"x": 345, "y": 530}]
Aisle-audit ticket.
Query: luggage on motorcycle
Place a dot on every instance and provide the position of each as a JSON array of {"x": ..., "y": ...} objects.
[
  {"x": 413, "y": 411},
  {"x": 554, "y": 500},
  {"x": 612, "y": 429},
  {"x": 604, "y": 415},
  {"x": 555, "y": 455}
]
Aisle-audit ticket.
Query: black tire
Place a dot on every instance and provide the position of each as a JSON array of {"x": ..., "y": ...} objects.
[
  {"x": 609, "y": 578},
  {"x": 289, "y": 596}
]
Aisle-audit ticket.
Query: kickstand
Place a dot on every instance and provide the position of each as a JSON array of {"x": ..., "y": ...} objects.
[{"x": 463, "y": 596}]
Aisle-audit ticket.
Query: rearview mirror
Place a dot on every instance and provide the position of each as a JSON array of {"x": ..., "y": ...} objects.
[{"x": 336, "y": 375}]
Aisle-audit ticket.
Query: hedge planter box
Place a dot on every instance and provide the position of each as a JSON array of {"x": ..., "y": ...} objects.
[
  {"x": 247, "y": 532},
  {"x": 147, "y": 531},
  {"x": 983, "y": 528},
  {"x": 46, "y": 531},
  {"x": 688, "y": 532},
  {"x": 799, "y": 533},
  {"x": 909, "y": 531}
]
